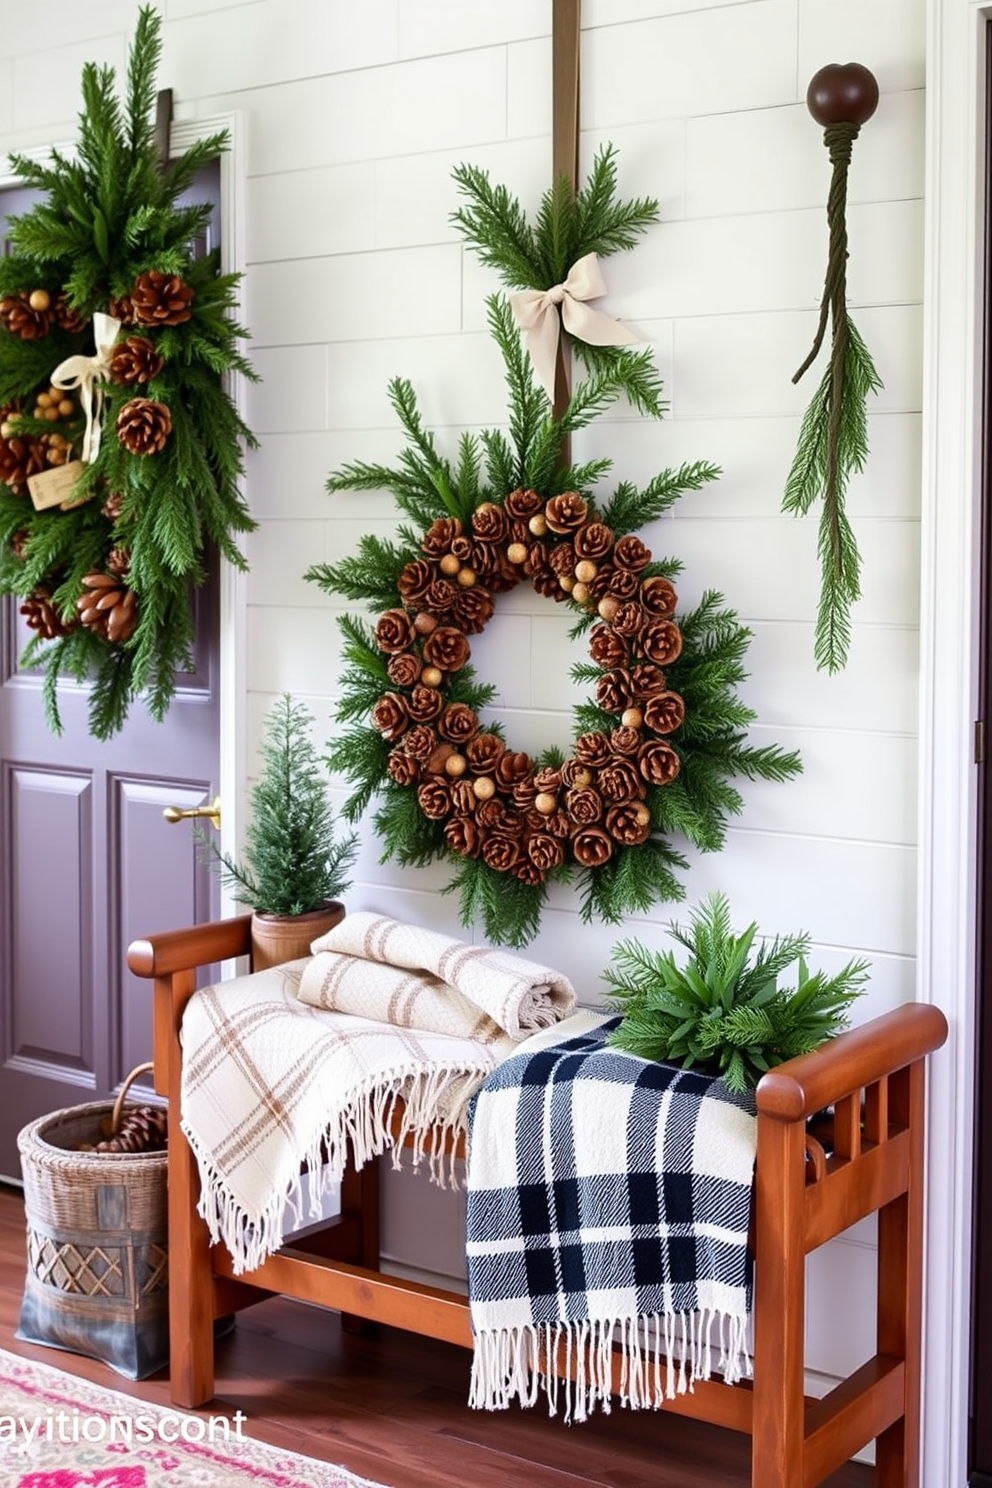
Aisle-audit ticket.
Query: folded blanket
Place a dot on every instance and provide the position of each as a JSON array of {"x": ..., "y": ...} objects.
[
  {"x": 392, "y": 994},
  {"x": 520, "y": 996},
  {"x": 608, "y": 1200},
  {"x": 269, "y": 1084}
]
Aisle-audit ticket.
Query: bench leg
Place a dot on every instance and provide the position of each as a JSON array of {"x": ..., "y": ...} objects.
[
  {"x": 191, "y": 1288},
  {"x": 360, "y": 1196},
  {"x": 777, "y": 1444},
  {"x": 900, "y": 1290}
]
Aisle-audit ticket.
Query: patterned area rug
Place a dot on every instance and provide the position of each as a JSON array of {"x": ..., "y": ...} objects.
[{"x": 57, "y": 1431}]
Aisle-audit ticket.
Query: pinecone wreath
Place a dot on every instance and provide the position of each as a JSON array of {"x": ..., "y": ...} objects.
[
  {"x": 143, "y": 426},
  {"x": 119, "y": 434}
]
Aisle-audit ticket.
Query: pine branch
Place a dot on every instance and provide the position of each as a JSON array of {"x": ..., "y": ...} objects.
[
  {"x": 495, "y": 225},
  {"x": 630, "y": 509},
  {"x": 509, "y": 910},
  {"x": 833, "y": 445}
]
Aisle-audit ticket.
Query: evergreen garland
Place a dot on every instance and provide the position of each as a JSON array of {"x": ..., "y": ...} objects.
[
  {"x": 833, "y": 436},
  {"x": 507, "y": 509},
  {"x": 106, "y": 576}
]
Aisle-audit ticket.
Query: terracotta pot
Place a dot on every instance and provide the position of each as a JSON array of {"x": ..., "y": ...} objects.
[{"x": 278, "y": 938}]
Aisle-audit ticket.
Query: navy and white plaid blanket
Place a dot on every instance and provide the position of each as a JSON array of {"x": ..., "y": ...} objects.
[{"x": 608, "y": 1203}]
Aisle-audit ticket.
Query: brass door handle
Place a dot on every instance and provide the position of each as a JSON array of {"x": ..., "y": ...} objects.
[{"x": 179, "y": 813}]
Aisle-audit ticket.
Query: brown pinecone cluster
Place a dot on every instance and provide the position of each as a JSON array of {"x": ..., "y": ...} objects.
[
  {"x": 144, "y": 426},
  {"x": 41, "y": 615},
  {"x": 107, "y": 605},
  {"x": 30, "y": 314},
  {"x": 140, "y": 1129},
  {"x": 21, "y": 455},
  {"x": 492, "y": 801}
]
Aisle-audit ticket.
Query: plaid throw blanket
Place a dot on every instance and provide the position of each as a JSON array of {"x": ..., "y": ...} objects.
[
  {"x": 608, "y": 1201},
  {"x": 383, "y": 968},
  {"x": 269, "y": 1084}
]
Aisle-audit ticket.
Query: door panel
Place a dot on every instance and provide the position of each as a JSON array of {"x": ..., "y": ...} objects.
[{"x": 88, "y": 863}]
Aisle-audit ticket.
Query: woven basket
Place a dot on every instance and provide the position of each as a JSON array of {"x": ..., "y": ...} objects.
[{"x": 97, "y": 1277}]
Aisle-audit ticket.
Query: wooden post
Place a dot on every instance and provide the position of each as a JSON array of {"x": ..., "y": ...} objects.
[{"x": 564, "y": 154}]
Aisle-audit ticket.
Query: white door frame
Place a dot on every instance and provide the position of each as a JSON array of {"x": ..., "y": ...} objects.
[
  {"x": 949, "y": 616},
  {"x": 233, "y": 588}
]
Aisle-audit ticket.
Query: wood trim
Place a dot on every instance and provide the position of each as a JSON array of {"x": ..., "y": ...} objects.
[
  {"x": 946, "y": 856},
  {"x": 980, "y": 1427}
]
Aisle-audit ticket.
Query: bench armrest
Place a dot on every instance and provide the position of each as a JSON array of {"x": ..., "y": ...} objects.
[
  {"x": 796, "y": 1089},
  {"x": 185, "y": 950}
]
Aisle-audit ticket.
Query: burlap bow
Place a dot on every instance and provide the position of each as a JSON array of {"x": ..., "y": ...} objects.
[
  {"x": 536, "y": 312},
  {"x": 87, "y": 373}
]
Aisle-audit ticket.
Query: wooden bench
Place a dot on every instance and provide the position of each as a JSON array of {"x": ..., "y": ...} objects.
[{"x": 807, "y": 1189}]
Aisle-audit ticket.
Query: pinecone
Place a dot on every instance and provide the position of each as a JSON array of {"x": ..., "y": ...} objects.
[
  {"x": 140, "y": 1129},
  {"x": 119, "y": 562},
  {"x": 143, "y": 426},
  {"x": 111, "y": 508},
  {"x": 20, "y": 456},
  {"x": 134, "y": 360},
  {"x": 42, "y": 616},
  {"x": 121, "y": 308},
  {"x": 161, "y": 299},
  {"x": 67, "y": 317},
  {"x": 108, "y": 606},
  {"x": 25, "y": 319}
]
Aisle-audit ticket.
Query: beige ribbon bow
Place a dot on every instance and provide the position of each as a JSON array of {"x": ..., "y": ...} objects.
[
  {"x": 536, "y": 312},
  {"x": 86, "y": 373}
]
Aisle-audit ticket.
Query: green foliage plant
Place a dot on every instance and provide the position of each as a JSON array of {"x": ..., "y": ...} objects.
[
  {"x": 111, "y": 213},
  {"x": 723, "y": 1009},
  {"x": 292, "y": 862}
]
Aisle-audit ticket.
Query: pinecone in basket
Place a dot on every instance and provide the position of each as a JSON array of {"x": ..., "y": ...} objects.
[
  {"x": 26, "y": 314},
  {"x": 140, "y": 1129},
  {"x": 143, "y": 426},
  {"x": 161, "y": 299},
  {"x": 134, "y": 360},
  {"x": 108, "y": 606},
  {"x": 42, "y": 616}
]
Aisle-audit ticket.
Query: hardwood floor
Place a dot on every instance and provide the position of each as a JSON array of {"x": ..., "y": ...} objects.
[{"x": 391, "y": 1406}]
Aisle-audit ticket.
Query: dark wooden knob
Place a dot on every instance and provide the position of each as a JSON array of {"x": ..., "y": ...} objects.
[{"x": 842, "y": 93}]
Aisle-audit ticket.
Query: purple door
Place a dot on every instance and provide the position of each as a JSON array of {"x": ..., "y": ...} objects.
[{"x": 87, "y": 864}]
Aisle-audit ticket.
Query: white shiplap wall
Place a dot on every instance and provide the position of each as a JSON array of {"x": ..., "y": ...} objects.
[{"x": 355, "y": 115}]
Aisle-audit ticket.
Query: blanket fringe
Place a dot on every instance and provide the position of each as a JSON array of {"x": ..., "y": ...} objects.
[
  {"x": 660, "y": 1355},
  {"x": 435, "y": 1106}
]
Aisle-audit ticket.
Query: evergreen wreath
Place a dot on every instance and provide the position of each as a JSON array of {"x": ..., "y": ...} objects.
[
  {"x": 103, "y": 280},
  {"x": 657, "y": 746}
]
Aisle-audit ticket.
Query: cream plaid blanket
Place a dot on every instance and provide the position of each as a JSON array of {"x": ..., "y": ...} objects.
[
  {"x": 270, "y": 1084},
  {"x": 415, "y": 978}
]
